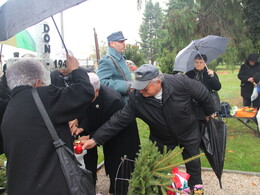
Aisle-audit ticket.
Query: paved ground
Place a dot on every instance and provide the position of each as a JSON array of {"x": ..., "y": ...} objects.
[{"x": 233, "y": 183}]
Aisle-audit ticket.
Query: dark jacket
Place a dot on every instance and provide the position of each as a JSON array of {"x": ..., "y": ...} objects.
[
  {"x": 33, "y": 166},
  {"x": 126, "y": 142},
  {"x": 172, "y": 121},
  {"x": 4, "y": 99},
  {"x": 246, "y": 71},
  {"x": 212, "y": 84}
]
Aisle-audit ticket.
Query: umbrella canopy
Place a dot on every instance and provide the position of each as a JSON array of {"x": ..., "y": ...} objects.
[
  {"x": 214, "y": 145},
  {"x": 212, "y": 46},
  {"x": 21, "y": 40},
  {"x": 16, "y": 16}
]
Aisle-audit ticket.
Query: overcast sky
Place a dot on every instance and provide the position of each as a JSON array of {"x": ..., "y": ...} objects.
[{"x": 106, "y": 16}]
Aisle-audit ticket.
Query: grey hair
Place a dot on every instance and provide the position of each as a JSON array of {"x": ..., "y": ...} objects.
[
  {"x": 28, "y": 55},
  {"x": 24, "y": 72},
  {"x": 94, "y": 80},
  {"x": 160, "y": 77}
]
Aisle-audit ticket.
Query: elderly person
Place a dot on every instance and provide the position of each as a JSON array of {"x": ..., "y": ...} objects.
[
  {"x": 208, "y": 78},
  {"x": 112, "y": 68},
  {"x": 107, "y": 101},
  {"x": 249, "y": 74},
  {"x": 33, "y": 166},
  {"x": 164, "y": 102}
]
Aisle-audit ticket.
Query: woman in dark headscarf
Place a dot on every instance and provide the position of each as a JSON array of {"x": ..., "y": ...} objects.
[
  {"x": 249, "y": 74},
  {"x": 207, "y": 77}
]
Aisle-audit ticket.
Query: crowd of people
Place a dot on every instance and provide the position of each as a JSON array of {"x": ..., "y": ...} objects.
[{"x": 102, "y": 108}]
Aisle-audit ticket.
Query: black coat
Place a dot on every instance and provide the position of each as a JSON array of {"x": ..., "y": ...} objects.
[
  {"x": 126, "y": 142},
  {"x": 33, "y": 166},
  {"x": 4, "y": 99},
  {"x": 246, "y": 71},
  {"x": 212, "y": 84},
  {"x": 171, "y": 122}
]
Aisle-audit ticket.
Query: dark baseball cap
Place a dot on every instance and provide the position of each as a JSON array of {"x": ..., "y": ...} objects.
[
  {"x": 116, "y": 36},
  {"x": 143, "y": 75}
]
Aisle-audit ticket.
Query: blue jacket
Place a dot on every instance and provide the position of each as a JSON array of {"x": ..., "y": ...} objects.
[{"x": 109, "y": 74}]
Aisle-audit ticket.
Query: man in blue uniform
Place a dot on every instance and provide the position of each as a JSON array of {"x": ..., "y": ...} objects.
[{"x": 112, "y": 68}]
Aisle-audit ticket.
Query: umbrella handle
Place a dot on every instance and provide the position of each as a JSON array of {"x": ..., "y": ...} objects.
[{"x": 60, "y": 35}]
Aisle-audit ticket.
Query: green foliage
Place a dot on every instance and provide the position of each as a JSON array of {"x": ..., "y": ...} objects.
[
  {"x": 151, "y": 175},
  {"x": 187, "y": 20},
  {"x": 179, "y": 28},
  {"x": 133, "y": 53},
  {"x": 3, "y": 178},
  {"x": 252, "y": 18},
  {"x": 149, "y": 31}
]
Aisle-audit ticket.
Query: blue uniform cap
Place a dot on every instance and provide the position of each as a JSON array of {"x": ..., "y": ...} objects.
[{"x": 116, "y": 36}]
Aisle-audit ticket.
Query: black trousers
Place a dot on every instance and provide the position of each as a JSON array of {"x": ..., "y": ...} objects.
[
  {"x": 247, "y": 102},
  {"x": 193, "y": 167},
  {"x": 90, "y": 160}
]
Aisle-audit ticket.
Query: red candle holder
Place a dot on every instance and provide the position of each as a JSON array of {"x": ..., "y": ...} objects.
[{"x": 78, "y": 147}]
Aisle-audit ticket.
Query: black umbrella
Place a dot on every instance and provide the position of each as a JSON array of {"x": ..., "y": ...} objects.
[
  {"x": 214, "y": 145},
  {"x": 17, "y": 15}
]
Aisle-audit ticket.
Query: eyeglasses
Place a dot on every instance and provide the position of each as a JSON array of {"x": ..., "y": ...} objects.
[{"x": 148, "y": 86}]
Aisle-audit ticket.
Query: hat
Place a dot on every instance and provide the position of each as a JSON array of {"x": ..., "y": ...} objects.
[
  {"x": 116, "y": 36},
  {"x": 253, "y": 57},
  {"x": 144, "y": 75}
]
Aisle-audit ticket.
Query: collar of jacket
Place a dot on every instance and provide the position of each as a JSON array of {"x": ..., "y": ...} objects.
[
  {"x": 18, "y": 89},
  {"x": 114, "y": 53},
  {"x": 167, "y": 90}
]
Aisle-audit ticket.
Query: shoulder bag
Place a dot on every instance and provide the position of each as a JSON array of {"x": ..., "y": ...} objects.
[
  {"x": 79, "y": 181},
  {"x": 215, "y": 97}
]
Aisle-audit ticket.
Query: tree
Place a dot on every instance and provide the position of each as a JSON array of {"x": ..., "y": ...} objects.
[
  {"x": 179, "y": 28},
  {"x": 188, "y": 20},
  {"x": 252, "y": 17},
  {"x": 132, "y": 53},
  {"x": 225, "y": 18},
  {"x": 151, "y": 174},
  {"x": 149, "y": 31}
]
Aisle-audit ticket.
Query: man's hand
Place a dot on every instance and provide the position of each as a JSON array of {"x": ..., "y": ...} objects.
[
  {"x": 76, "y": 131},
  {"x": 71, "y": 63},
  {"x": 251, "y": 79},
  {"x": 88, "y": 144},
  {"x": 84, "y": 138},
  {"x": 73, "y": 123}
]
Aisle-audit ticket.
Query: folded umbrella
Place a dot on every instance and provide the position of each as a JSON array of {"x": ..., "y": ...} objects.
[
  {"x": 214, "y": 138},
  {"x": 212, "y": 46}
]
